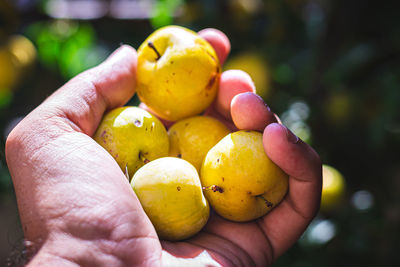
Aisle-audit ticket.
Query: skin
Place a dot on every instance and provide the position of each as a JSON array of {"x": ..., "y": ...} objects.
[{"x": 77, "y": 207}]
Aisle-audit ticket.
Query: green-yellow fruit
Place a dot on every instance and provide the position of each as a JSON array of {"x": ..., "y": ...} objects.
[
  {"x": 133, "y": 137},
  {"x": 170, "y": 193},
  {"x": 8, "y": 70},
  {"x": 243, "y": 183},
  {"x": 333, "y": 188},
  {"x": 177, "y": 73},
  {"x": 191, "y": 138}
]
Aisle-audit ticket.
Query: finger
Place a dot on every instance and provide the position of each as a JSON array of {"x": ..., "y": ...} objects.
[
  {"x": 219, "y": 42},
  {"x": 232, "y": 82},
  {"x": 75, "y": 189},
  {"x": 249, "y": 112},
  {"x": 84, "y": 99},
  {"x": 286, "y": 222}
]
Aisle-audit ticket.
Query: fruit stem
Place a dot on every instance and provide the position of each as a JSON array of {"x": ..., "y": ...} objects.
[
  {"x": 269, "y": 204},
  {"x": 141, "y": 156},
  {"x": 214, "y": 188},
  {"x": 151, "y": 45}
]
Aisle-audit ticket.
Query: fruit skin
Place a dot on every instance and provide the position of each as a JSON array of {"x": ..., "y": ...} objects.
[
  {"x": 170, "y": 193},
  {"x": 244, "y": 184},
  {"x": 333, "y": 188},
  {"x": 133, "y": 137},
  {"x": 181, "y": 83},
  {"x": 191, "y": 138}
]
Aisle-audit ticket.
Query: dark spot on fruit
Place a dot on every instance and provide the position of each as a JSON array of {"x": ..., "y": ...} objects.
[
  {"x": 241, "y": 200},
  {"x": 249, "y": 192},
  {"x": 172, "y": 62},
  {"x": 223, "y": 179},
  {"x": 213, "y": 58},
  {"x": 138, "y": 123},
  {"x": 146, "y": 161},
  {"x": 103, "y": 133},
  {"x": 217, "y": 160},
  {"x": 178, "y": 188},
  {"x": 179, "y": 155},
  {"x": 211, "y": 82},
  {"x": 216, "y": 188},
  {"x": 173, "y": 73},
  {"x": 269, "y": 204},
  {"x": 186, "y": 124}
]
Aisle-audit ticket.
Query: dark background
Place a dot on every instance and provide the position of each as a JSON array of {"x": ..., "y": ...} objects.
[{"x": 330, "y": 69}]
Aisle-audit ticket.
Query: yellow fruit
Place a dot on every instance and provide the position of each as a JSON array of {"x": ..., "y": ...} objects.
[
  {"x": 177, "y": 73},
  {"x": 333, "y": 188},
  {"x": 170, "y": 193},
  {"x": 241, "y": 182},
  {"x": 256, "y": 67},
  {"x": 8, "y": 70},
  {"x": 191, "y": 138},
  {"x": 133, "y": 137},
  {"x": 23, "y": 51},
  {"x": 339, "y": 107}
]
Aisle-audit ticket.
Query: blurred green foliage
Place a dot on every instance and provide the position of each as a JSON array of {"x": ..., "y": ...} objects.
[{"x": 334, "y": 69}]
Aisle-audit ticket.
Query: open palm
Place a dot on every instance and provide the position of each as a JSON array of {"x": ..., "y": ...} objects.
[{"x": 77, "y": 208}]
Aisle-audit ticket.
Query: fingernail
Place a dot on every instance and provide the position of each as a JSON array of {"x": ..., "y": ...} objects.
[
  {"x": 291, "y": 137},
  {"x": 278, "y": 119}
]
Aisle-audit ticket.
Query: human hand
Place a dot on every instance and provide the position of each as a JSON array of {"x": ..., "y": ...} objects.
[{"x": 77, "y": 207}]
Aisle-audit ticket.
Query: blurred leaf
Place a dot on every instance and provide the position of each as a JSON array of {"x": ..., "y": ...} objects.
[{"x": 164, "y": 12}]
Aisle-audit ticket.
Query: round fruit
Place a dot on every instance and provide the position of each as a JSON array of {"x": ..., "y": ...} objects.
[
  {"x": 133, "y": 137},
  {"x": 177, "y": 73},
  {"x": 170, "y": 193},
  {"x": 333, "y": 188},
  {"x": 8, "y": 70},
  {"x": 191, "y": 138},
  {"x": 241, "y": 182}
]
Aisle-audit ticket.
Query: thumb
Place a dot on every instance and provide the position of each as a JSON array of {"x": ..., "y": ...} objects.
[{"x": 85, "y": 98}]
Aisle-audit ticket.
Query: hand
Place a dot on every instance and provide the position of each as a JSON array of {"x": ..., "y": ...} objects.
[{"x": 76, "y": 206}]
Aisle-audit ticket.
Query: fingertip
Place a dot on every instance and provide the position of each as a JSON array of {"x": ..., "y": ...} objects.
[
  {"x": 124, "y": 53},
  {"x": 219, "y": 41},
  {"x": 116, "y": 76},
  {"x": 232, "y": 82},
  {"x": 249, "y": 112},
  {"x": 273, "y": 136}
]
